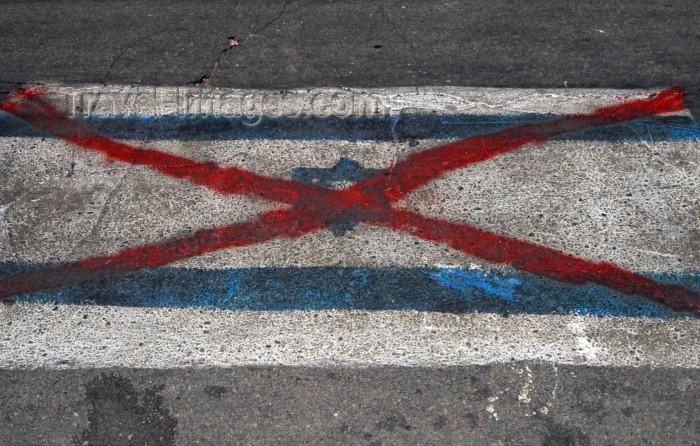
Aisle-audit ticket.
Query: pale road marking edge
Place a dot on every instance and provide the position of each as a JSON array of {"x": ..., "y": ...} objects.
[{"x": 72, "y": 336}]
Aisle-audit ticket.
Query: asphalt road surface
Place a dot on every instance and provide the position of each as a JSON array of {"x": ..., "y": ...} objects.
[
  {"x": 281, "y": 45},
  {"x": 364, "y": 44}
]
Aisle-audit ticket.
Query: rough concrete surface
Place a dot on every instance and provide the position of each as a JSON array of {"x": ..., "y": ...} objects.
[{"x": 69, "y": 336}]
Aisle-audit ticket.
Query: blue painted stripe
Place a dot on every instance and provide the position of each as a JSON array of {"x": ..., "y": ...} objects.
[
  {"x": 405, "y": 127},
  {"x": 504, "y": 291}
]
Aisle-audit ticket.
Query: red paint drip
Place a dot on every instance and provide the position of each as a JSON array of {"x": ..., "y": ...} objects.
[{"x": 369, "y": 201}]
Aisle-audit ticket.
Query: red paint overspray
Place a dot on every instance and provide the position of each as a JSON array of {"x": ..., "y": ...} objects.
[{"x": 370, "y": 201}]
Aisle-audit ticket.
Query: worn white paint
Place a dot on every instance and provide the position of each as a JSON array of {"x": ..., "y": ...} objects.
[
  {"x": 581, "y": 182},
  {"x": 64, "y": 336}
]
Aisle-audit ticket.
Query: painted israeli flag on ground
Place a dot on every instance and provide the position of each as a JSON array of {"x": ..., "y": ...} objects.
[{"x": 168, "y": 227}]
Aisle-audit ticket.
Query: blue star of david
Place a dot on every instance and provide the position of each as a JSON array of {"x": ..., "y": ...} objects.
[{"x": 343, "y": 174}]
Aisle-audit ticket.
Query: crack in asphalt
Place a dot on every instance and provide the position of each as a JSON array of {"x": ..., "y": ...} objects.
[
  {"x": 130, "y": 45},
  {"x": 407, "y": 41},
  {"x": 281, "y": 13},
  {"x": 204, "y": 80}
]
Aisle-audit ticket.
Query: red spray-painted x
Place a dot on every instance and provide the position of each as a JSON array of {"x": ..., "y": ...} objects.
[{"x": 370, "y": 202}]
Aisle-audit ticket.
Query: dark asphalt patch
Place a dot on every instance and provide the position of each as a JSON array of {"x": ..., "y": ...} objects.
[
  {"x": 515, "y": 403},
  {"x": 120, "y": 415}
]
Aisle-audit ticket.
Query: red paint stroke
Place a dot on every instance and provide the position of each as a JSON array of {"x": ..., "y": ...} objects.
[
  {"x": 27, "y": 105},
  {"x": 281, "y": 223},
  {"x": 422, "y": 167},
  {"x": 540, "y": 260},
  {"x": 314, "y": 208}
]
